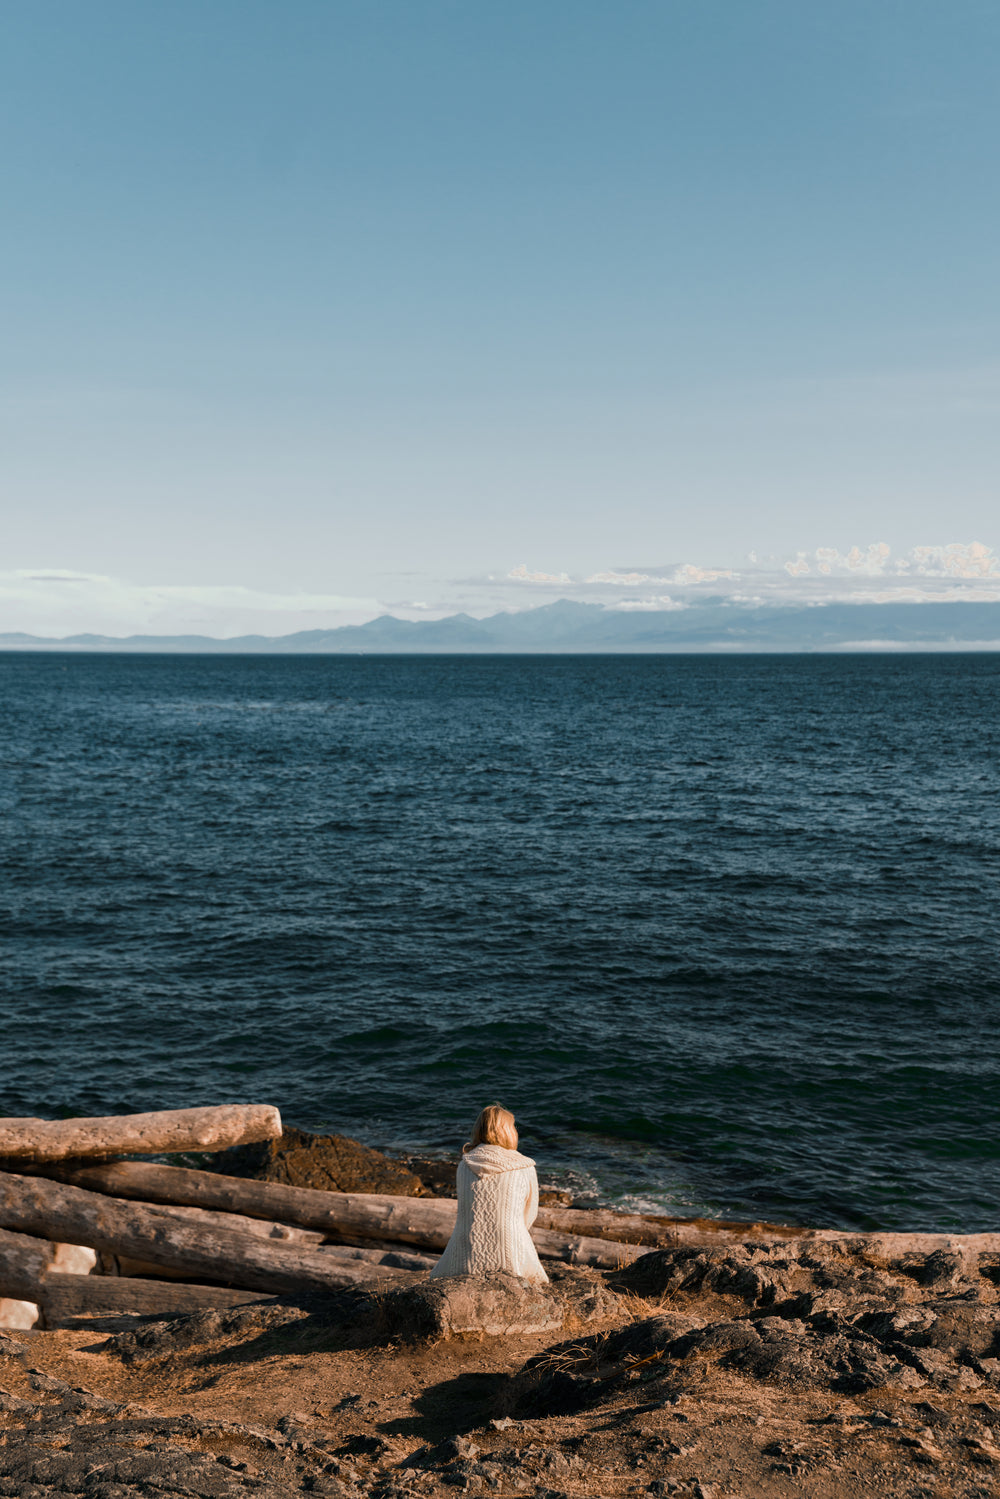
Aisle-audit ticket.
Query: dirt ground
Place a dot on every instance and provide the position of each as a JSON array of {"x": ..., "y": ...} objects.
[{"x": 737, "y": 1375}]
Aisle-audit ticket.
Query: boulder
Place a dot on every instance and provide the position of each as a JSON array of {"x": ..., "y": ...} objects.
[
  {"x": 327, "y": 1163},
  {"x": 756, "y": 1276},
  {"x": 497, "y": 1304}
]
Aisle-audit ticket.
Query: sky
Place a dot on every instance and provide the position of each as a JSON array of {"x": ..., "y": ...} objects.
[{"x": 319, "y": 310}]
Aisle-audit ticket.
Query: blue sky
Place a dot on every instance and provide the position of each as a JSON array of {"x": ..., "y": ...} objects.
[{"x": 315, "y": 309}]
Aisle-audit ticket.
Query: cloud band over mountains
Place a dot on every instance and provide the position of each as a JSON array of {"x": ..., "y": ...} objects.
[
  {"x": 58, "y": 601},
  {"x": 826, "y": 574}
]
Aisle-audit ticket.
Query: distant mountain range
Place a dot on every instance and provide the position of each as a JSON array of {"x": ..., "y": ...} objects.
[{"x": 712, "y": 625}]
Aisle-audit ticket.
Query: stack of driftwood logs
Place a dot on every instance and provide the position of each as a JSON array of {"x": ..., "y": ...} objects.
[
  {"x": 81, "y": 1233},
  {"x": 84, "y": 1232}
]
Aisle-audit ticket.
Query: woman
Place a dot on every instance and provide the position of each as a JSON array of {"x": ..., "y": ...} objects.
[{"x": 497, "y": 1204}]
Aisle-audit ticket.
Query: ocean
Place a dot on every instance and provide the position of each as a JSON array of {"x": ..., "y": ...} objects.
[{"x": 723, "y": 931}]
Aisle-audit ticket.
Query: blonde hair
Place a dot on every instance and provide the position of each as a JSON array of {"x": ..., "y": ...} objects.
[{"x": 495, "y": 1126}]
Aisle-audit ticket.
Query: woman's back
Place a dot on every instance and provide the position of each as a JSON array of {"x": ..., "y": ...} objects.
[{"x": 497, "y": 1203}]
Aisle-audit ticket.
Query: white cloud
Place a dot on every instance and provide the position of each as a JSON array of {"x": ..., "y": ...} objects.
[
  {"x": 521, "y": 574},
  {"x": 689, "y": 573},
  {"x": 57, "y": 601},
  {"x": 621, "y": 580},
  {"x": 954, "y": 559},
  {"x": 659, "y": 604},
  {"x": 799, "y": 567}
]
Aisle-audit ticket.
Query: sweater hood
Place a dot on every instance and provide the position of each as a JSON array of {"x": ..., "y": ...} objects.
[{"x": 491, "y": 1160}]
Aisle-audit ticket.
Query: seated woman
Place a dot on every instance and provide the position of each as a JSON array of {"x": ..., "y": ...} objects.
[{"x": 497, "y": 1204}]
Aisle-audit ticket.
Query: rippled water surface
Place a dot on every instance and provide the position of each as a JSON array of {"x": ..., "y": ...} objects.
[{"x": 723, "y": 932}]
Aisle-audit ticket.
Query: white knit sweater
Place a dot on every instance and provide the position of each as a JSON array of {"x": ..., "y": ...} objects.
[{"x": 497, "y": 1204}]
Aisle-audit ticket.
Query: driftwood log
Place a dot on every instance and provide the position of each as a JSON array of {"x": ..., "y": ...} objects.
[
  {"x": 24, "y": 1261},
  {"x": 138, "y": 1134},
  {"x": 63, "y": 1297},
  {"x": 423, "y": 1221},
  {"x": 54, "y": 1210},
  {"x": 23, "y": 1264},
  {"x": 654, "y": 1231},
  {"x": 396, "y": 1255},
  {"x": 260, "y": 1228},
  {"x": 145, "y": 1181}
]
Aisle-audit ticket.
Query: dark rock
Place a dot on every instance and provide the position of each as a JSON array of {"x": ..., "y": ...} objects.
[
  {"x": 236, "y": 1324},
  {"x": 39, "y": 1380},
  {"x": 584, "y": 1294},
  {"x": 942, "y": 1370},
  {"x": 455, "y": 1449},
  {"x": 15, "y": 1406},
  {"x": 718, "y": 1337},
  {"x": 327, "y": 1486},
  {"x": 944, "y": 1269},
  {"x": 962, "y": 1330},
  {"x": 574, "y": 1375},
  {"x": 756, "y": 1276},
  {"x": 989, "y": 1267},
  {"x": 329, "y": 1163},
  {"x": 438, "y": 1177},
  {"x": 363, "y": 1445}
]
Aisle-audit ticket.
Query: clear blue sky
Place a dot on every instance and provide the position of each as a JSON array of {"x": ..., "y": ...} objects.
[{"x": 372, "y": 301}]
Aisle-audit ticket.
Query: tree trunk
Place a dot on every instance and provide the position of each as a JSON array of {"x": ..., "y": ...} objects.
[
  {"x": 138, "y": 1134},
  {"x": 53, "y": 1210}
]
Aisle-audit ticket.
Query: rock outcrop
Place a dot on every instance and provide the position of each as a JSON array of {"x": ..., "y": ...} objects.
[
  {"x": 327, "y": 1163},
  {"x": 804, "y": 1317}
]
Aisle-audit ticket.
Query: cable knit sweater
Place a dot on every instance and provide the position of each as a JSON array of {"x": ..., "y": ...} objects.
[{"x": 497, "y": 1204}]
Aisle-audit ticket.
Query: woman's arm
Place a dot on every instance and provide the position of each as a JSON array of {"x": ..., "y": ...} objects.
[{"x": 531, "y": 1201}]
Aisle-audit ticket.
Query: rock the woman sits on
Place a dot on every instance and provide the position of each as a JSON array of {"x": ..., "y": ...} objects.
[{"x": 497, "y": 1204}]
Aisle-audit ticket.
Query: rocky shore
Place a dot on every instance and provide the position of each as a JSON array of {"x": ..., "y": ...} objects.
[{"x": 799, "y": 1365}]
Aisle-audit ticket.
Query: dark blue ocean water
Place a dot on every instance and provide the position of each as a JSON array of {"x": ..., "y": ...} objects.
[{"x": 723, "y": 932}]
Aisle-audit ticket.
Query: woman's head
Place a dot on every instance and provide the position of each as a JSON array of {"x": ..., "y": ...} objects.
[{"x": 495, "y": 1126}]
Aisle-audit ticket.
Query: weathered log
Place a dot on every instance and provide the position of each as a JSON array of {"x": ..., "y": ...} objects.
[
  {"x": 286, "y": 1233},
  {"x": 425, "y": 1221},
  {"x": 655, "y": 1231},
  {"x": 260, "y": 1228},
  {"x": 64, "y": 1297},
  {"x": 395, "y": 1256},
  {"x": 401, "y": 1256},
  {"x": 399, "y": 1220},
  {"x": 54, "y": 1210},
  {"x": 24, "y": 1261},
  {"x": 138, "y": 1134}
]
